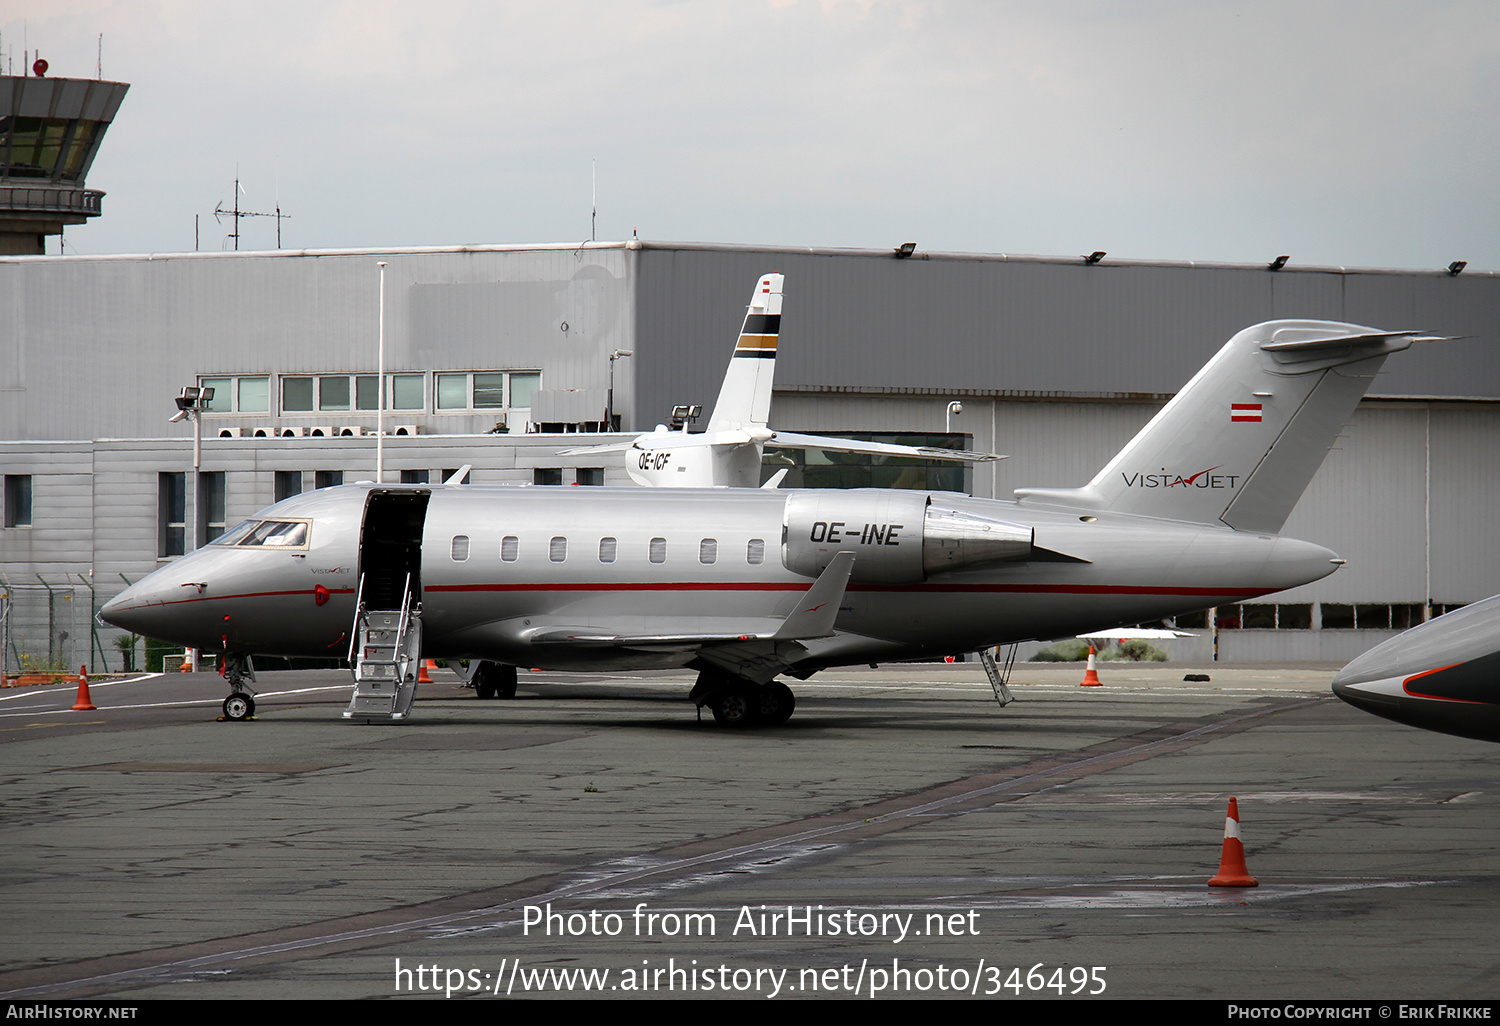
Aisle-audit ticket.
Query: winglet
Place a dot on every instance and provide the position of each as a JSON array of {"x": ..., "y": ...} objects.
[{"x": 819, "y": 608}]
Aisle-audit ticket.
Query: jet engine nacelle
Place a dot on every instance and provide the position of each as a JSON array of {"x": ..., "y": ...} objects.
[{"x": 897, "y": 537}]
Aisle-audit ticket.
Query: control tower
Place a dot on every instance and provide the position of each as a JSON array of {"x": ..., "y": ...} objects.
[{"x": 50, "y": 130}]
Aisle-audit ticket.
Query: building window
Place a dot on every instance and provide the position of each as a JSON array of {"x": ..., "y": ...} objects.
[
  {"x": 486, "y": 390},
  {"x": 328, "y": 478},
  {"x": 17, "y": 500},
  {"x": 248, "y": 394},
  {"x": 408, "y": 392},
  {"x": 413, "y": 477},
  {"x": 329, "y": 393},
  {"x": 171, "y": 514},
  {"x": 591, "y": 475},
  {"x": 546, "y": 475},
  {"x": 296, "y": 395},
  {"x": 288, "y": 483},
  {"x": 208, "y": 516}
]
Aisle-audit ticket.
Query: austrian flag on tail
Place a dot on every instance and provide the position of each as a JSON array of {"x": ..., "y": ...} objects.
[{"x": 1248, "y": 413}]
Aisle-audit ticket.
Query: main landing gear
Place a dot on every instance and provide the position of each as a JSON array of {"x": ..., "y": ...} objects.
[
  {"x": 240, "y": 705},
  {"x": 493, "y": 680},
  {"x": 736, "y": 702}
]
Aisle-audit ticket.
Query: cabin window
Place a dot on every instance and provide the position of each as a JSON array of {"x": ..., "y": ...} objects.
[
  {"x": 755, "y": 552},
  {"x": 658, "y": 550},
  {"x": 708, "y": 550},
  {"x": 557, "y": 551},
  {"x": 460, "y": 550},
  {"x": 510, "y": 546},
  {"x": 607, "y": 549}
]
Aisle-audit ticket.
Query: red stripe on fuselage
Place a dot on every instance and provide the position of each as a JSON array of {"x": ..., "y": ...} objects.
[{"x": 1038, "y": 589}]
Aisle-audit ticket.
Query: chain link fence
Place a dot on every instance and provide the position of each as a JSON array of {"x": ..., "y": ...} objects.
[{"x": 50, "y": 628}]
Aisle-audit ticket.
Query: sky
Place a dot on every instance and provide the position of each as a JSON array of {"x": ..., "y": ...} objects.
[{"x": 1362, "y": 133}]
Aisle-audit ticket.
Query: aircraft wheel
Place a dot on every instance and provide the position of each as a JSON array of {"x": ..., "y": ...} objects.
[
  {"x": 776, "y": 703},
  {"x": 492, "y": 680},
  {"x": 735, "y": 707},
  {"x": 239, "y": 706}
]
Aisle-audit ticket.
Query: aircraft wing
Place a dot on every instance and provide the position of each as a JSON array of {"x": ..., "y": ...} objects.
[
  {"x": 590, "y": 450},
  {"x": 788, "y": 440},
  {"x": 813, "y": 617}
]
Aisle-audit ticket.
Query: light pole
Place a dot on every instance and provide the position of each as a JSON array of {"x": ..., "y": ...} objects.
[
  {"x": 380, "y": 388},
  {"x": 191, "y": 402},
  {"x": 609, "y": 403}
]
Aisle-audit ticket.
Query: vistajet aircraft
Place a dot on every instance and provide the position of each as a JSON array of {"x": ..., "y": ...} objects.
[
  {"x": 745, "y": 584},
  {"x": 1442, "y": 675},
  {"x": 728, "y": 454}
]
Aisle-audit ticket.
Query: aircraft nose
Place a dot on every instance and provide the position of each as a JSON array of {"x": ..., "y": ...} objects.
[
  {"x": 154, "y": 607},
  {"x": 135, "y": 610}
]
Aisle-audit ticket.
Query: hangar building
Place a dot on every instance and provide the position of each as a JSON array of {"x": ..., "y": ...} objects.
[{"x": 499, "y": 356}]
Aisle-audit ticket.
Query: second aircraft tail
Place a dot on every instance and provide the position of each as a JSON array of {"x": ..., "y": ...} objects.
[{"x": 745, "y": 397}]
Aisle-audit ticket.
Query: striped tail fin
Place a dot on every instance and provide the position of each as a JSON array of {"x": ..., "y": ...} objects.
[{"x": 745, "y": 398}]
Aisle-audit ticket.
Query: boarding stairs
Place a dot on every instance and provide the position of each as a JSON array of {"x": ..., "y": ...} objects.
[
  {"x": 385, "y": 652},
  {"x": 999, "y": 678}
]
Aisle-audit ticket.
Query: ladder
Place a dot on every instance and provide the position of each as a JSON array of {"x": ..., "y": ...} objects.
[
  {"x": 384, "y": 652},
  {"x": 997, "y": 678}
]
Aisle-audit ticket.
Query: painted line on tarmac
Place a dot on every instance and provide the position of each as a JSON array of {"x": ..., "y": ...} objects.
[{"x": 881, "y": 817}]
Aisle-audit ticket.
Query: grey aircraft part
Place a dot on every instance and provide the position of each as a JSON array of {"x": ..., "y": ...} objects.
[
  {"x": 1443, "y": 675},
  {"x": 747, "y": 584}
]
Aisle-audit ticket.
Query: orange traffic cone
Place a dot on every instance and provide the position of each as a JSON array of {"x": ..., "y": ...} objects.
[
  {"x": 1090, "y": 675},
  {"x": 422, "y": 675},
  {"x": 83, "y": 702},
  {"x": 1232, "y": 869}
]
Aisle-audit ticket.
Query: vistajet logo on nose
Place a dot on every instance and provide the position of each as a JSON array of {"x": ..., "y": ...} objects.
[{"x": 1166, "y": 479}]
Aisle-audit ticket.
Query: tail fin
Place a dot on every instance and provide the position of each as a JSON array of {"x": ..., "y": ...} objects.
[
  {"x": 1243, "y": 438},
  {"x": 745, "y": 398}
]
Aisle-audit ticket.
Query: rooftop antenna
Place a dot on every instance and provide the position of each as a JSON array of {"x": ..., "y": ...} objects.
[
  {"x": 594, "y": 210},
  {"x": 99, "y": 65},
  {"x": 236, "y": 213}
]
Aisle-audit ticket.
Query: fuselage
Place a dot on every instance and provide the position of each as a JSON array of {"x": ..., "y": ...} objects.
[{"x": 498, "y": 566}]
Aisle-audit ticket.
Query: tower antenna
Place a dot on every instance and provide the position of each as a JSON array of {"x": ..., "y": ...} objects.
[{"x": 236, "y": 213}]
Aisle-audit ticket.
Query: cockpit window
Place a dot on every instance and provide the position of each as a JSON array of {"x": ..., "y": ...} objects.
[
  {"x": 280, "y": 534},
  {"x": 233, "y": 537}
]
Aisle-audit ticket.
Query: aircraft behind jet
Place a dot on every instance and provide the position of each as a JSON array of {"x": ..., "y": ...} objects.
[
  {"x": 1443, "y": 675},
  {"x": 728, "y": 454},
  {"x": 747, "y": 584}
]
